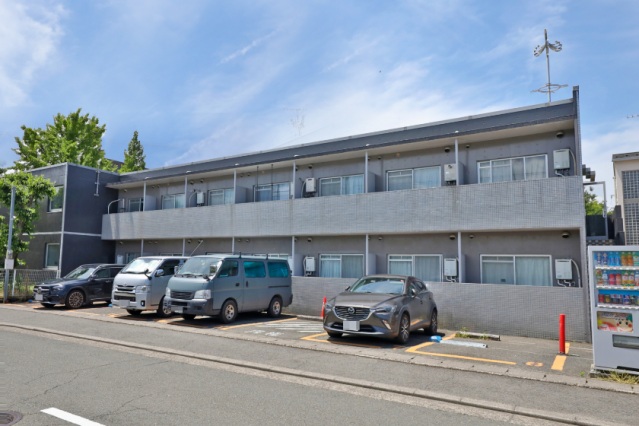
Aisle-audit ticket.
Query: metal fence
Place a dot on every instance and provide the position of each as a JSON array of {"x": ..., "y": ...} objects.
[{"x": 21, "y": 282}]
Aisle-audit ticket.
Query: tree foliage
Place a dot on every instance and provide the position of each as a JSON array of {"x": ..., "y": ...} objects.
[
  {"x": 593, "y": 206},
  {"x": 74, "y": 138},
  {"x": 134, "y": 156},
  {"x": 30, "y": 190}
]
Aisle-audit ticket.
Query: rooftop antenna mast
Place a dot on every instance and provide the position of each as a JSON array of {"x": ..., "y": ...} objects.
[{"x": 556, "y": 46}]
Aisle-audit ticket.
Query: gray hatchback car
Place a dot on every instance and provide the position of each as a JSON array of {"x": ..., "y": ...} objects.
[{"x": 390, "y": 306}]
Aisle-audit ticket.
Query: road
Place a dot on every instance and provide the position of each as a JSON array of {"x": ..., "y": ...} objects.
[{"x": 115, "y": 371}]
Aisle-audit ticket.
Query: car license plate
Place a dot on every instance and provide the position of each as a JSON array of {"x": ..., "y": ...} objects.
[
  {"x": 351, "y": 325},
  {"x": 123, "y": 303},
  {"x": 38, "y": 297},
  {"x": 177, "y": 309}
]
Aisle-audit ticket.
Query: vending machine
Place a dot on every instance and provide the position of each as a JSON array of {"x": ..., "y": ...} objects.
[{"x": 614, "y": 299}]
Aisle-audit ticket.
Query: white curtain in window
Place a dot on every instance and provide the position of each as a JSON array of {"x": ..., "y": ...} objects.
[
  {"x": 330, "y": 266},
  {"x": 518, "y": 169},
  {"x": 400, "y": 179},
  {"x": 501, "y": 171},
  {"x": 427, "y": 177},
  {"x": 428, "y": 268},
  {"x": 352, "y": 266},
  {"x": 353, "y": 185},
  {"x": 52, "y": 255},
  {"x": 168, "y": 202},
  {"x": 216, "y": 197},
  {"x": 484, "y": 172},
  {"x": 330, "y": 186},
  {"x": 536, "y": 167},
  {"x": 497, "y": 270},
  {"x": 533, "y": 270},
  {"x": 400, "y": 265}
]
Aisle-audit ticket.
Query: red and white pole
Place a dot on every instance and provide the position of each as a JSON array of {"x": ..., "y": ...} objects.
[{"x": 562, "y": 334}]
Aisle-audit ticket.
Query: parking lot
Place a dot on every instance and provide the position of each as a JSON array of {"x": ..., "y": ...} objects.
[{"x": 527, "y": 354}]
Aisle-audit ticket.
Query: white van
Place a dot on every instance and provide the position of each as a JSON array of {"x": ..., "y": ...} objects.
[
  {"x": 141, "y": 284},
  {"x": 226, "y": 285}
]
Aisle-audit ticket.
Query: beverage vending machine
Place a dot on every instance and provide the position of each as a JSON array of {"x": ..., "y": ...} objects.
[{"x": 614, "y": 300}]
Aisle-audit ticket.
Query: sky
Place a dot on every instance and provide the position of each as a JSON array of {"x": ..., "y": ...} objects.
[{"x": 203, "y": 79}]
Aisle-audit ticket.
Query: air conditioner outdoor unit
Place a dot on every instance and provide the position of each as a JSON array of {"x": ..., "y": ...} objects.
[{"x": 199, "y": 198}]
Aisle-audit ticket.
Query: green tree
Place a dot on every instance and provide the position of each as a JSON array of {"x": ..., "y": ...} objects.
[
  {"x": 74, "y": 138},
  {"x": 593, "y": 207},
  {"x": 134, "y": 156},
  {"x": 30, "y": 190}
]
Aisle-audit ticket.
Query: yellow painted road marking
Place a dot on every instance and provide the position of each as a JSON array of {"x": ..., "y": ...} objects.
[
  {"x": 535, "y": 364},
  {"x": 314, "y": 338},
  {"x": 416, "y": 349},
  {"x": 560, "y": 360},
  {"x": 252, "y": 324}
]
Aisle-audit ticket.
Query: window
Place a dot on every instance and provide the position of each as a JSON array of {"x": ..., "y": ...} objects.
[
  {"x": 424, "y": 267},
  {"x": 509, "y": 169},
  {"x": 169, "y": 266},
  {"x": 129, "y": 257},
  {"x": 278, "y": 269},
  {"x": 103, "y": 273},
  {"x": 254, "y": 269},
  {"x": 55, "y": 202},
  {"x": 344, "y": 185},
  {"x": 175, "y": 201},
  {"x": 229, "y": 269},
  {"x": 136, "y": 204},
  {"x": 517, "y": 270},
  {"x": 218, "y": 197},
  {"x": 425, "y": 177},
  {"x": 52, "y": 256},
  {"x": 341, "y": 265},
  {"x": 273, "y": 192}
]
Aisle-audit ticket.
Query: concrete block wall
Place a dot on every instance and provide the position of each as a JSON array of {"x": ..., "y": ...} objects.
[{"x": 526, "y": 311}]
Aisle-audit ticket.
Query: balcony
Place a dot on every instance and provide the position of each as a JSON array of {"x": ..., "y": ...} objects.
[{"x": 553, "y": 203}]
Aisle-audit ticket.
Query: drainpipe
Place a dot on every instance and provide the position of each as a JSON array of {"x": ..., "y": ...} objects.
[{"x": 64, "y": 214}]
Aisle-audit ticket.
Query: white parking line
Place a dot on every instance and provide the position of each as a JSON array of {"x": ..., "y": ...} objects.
[{"x": 71, "y": 418}]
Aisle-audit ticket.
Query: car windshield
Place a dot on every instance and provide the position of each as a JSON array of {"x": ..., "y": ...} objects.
[
  {"x": 141, "y": 265},
  {"x": 80, "y": 272},
  {"x": 199, "y": 266},
  {"x": 378, "y": 285}
]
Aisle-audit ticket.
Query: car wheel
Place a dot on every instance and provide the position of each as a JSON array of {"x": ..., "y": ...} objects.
[
  {"x": 188, "y": 317},
  {"x": 404, "y": 330},
  {"x": 275, "y": 307},
  {"x": 228, "y": 312},
  {"x": 163, "y": 311},
  {"x": 134, "y": 312},
  {"x": 48, "y": 305},
  {"x": 431, "y": 330},
  {"x": 335, "y": 334},
  {"x": 75, "y": 299}
]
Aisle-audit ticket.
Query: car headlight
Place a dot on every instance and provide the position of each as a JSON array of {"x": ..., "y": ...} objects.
[
  {"x": 167, "y": 292},
  {"x": 141, "y": 289},
  {"x": 202, "y": 294},
  {"x": 384, "y": 309},
  {"x": 56, "y": 288},
  {"x": 328, "y": 307}
]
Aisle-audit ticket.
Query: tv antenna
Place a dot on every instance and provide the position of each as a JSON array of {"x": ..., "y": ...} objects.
[
  {"x": 556, "y": 46},
  {"x": 298, "y": 120}
]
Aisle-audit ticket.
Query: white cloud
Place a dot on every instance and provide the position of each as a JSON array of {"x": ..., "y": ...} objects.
[{"x": 30, "y": 34}]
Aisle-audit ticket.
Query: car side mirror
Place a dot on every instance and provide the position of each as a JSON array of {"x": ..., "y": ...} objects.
[
  {"x": 413, "y": 292},
  {"x": 159, "y": 272}
]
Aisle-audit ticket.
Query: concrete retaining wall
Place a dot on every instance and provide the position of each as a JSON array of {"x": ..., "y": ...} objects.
[{"x": 526, "y": 311}]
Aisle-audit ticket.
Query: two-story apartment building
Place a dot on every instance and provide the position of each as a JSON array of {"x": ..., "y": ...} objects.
[
  {"x": 626, "y": 173},
  {"x": 488, "y": 209}
]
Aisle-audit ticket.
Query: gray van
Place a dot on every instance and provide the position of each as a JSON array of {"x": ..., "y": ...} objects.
[
  {"x": 141, "y": 284},
  {"x": 225, "y": 285}
]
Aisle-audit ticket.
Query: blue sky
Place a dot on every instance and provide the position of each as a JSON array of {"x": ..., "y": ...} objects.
[{"x": 203, "y": 79}]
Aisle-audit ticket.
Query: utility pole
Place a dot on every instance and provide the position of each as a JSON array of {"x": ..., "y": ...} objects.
[{"x": 8, "y": 261}]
